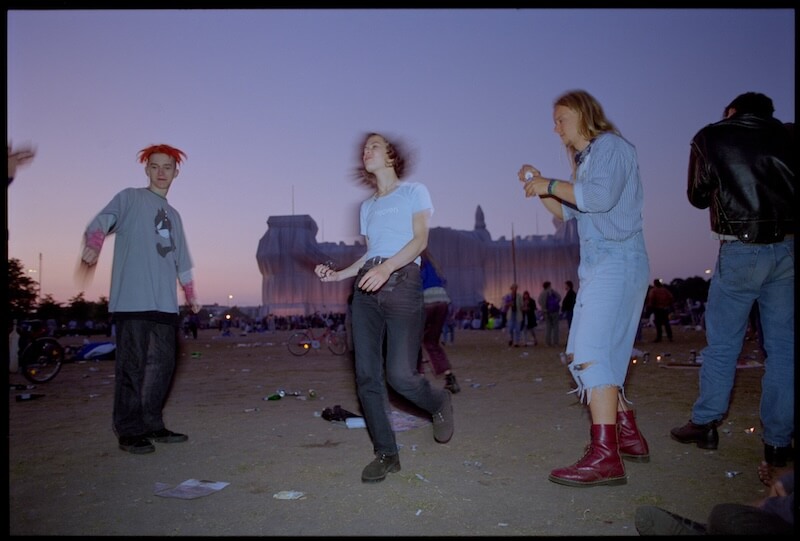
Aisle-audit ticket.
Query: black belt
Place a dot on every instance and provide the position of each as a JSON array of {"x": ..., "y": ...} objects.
[
  {"x": 377, "y": 260},
  {"x": 395, "y": 278},
  {"x": 787, "y": 236},
  {"x": 373, "y": 262}
]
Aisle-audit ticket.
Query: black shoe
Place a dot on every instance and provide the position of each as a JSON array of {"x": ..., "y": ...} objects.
[
  {"x": 443, "y": 421},
  {"x": 777, "y": 456},
  {"x": 652, "y": 520},
  {"x": 377, "y": 469},
  {"x": 138, "y": 445},
  {"x": 705, "y": 436},
  {"x": 451, "y": 384},
  {"x": 166, "y": 436}
]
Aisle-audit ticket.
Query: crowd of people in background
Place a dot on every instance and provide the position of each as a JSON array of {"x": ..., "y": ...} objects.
[{"x": 483, "y": 316}]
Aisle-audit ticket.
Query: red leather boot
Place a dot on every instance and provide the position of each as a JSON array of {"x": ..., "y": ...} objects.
[
  {"x": 632, "y": 444},
  {"x": 601, "y": 465}
]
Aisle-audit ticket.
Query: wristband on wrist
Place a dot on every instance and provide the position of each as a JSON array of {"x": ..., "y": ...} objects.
[{"x": 551, "y": 186}]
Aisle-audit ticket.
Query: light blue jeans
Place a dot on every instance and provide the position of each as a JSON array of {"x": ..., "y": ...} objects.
[
  {"x": 614, "y": 277},
  {"x": 746, "y": 273}
]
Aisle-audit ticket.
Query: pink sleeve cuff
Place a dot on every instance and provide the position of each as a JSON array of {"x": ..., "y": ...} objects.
[
  {"x": 94, "y": 240},
  {"x": 188, "y": 291}
]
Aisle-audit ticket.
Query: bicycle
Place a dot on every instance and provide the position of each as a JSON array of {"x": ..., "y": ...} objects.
[
  {"x": 40, "y": 356},
  {"x": 305, "y": 340}
]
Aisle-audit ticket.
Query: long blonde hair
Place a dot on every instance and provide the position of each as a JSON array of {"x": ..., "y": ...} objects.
[{"x": 592, "y": 120}]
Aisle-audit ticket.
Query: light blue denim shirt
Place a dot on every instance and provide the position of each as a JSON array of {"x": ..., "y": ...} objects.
[{"x": 608, "y": 191}]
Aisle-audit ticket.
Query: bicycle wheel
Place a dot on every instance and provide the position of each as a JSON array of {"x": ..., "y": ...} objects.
[
  {"x": 299, "y": 343},
  {"x": 41, "y": 360},
  {"x": 337, "y": 343}
]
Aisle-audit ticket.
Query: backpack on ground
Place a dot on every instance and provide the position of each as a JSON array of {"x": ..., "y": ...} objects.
[{"x": 552, "y": 302}]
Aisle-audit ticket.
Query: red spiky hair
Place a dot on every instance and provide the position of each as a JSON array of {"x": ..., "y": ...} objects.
[{"x": 172, "y": 152}]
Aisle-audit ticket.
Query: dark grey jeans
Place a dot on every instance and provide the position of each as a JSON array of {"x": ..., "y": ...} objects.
[
  {"x": 398, "y": 316},
  {"x": 145, "y": 362}
]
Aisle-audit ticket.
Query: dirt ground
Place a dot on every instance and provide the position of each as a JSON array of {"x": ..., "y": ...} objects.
[{"x": 514, "y": 418}]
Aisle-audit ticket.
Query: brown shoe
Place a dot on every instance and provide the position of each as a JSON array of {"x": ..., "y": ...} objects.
[{"x": 377, "y": 469}]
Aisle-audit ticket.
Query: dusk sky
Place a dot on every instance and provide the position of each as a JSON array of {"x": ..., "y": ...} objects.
[{"x": 269, "y": 106}]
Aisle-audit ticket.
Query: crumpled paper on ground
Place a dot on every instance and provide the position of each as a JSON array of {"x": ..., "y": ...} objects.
[
  {"x": 189, "y": 489},
  {"x": 401, "y": 421},
  {"x": 289, "y": 495}
]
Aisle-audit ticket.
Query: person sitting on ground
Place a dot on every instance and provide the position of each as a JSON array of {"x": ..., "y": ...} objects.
[{"x": 772, "y": 515}]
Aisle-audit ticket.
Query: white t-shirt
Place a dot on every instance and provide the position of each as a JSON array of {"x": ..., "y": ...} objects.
[{"x": 388, "y": 221}]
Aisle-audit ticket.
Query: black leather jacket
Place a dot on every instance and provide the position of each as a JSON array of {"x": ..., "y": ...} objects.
[{"x": 743, "y": 169}]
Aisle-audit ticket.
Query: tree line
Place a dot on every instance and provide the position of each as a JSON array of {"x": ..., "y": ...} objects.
[{"x": 24, "y": 301}]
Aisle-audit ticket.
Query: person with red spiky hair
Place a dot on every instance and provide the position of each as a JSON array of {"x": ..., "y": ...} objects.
[
  {"x": 172, "y": 152},
  {"x": 151, "y": 257}
]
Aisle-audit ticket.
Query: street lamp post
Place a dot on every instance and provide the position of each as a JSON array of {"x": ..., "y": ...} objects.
[{"x": 38, "y": 281}]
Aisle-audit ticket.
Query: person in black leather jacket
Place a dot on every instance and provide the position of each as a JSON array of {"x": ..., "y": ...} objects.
[{"x": 742, "y": 169}]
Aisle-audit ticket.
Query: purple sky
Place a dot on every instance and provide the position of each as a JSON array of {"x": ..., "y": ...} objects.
[{"x": 270, "y": 104}]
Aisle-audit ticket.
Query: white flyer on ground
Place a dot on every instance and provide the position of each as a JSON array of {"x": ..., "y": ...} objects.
[{"x": 189, "y": 489}]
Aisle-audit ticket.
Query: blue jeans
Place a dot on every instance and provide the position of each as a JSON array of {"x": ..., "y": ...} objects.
[
  {"x": 449, "y": 332},
  {"x": 145, "y": 361},
  {"x": 568, "y": 317},
  {"x": 551, "y": 328},
  {"x": 514, "y": 327},
  {"x": 397, "y": 316},
  {"x": 745, "y": 273}
]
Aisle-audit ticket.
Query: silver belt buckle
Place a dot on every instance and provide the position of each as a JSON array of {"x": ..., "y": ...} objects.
[{"x": 373, "y": 262}]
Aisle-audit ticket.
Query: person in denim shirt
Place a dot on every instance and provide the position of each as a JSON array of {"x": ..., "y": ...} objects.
[
  {"x": 605, "y": 196},
  {"x": 387, "y": 300}
]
